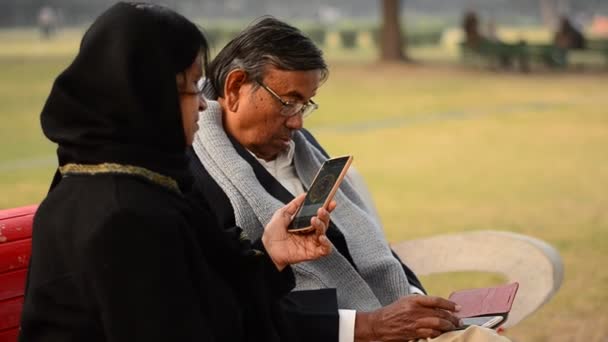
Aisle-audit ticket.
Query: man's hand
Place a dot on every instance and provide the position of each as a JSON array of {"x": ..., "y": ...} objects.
[
  {"x": 286, "y": 248},
  {"x": 409, "y": 318}
]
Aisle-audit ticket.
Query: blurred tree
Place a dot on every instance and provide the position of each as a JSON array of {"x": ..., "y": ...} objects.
[{"x": 392, "y": 46}]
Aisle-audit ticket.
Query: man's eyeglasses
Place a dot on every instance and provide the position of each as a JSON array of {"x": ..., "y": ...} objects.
[{"x": 291, "y": 109}]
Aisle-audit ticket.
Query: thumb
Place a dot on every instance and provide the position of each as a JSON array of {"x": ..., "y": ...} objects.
[{"x": 292, "y": 207}]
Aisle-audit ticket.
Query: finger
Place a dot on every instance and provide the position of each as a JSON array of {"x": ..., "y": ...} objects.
[
  {"x": 427, "y": 333},
  {"x": 325, "y": 246},
  {"x": 422, "y": 312},
  {"x": 436, "y": 302},
  {"x": 435, "y": 323},
  {"x": 292, "y": 207},
  {"x": 319, "y": 227},
  {"x": 332, "y": 205},
  {"x": 322, "y": 247},
  {"x": 448, "y": 316},
  {"x": 323, "y": 215},
  {"x": 439, "y": 313}
]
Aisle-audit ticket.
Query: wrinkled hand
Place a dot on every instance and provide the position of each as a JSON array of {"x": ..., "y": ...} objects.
[
  {"x": 285, "y": 248},
  {"x": 409, "y": 318}
]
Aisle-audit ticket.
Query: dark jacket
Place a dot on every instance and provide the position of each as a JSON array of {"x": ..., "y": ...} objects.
[
  {"x": 317, "y": 306},
  {"x": 114, "y": 258}
]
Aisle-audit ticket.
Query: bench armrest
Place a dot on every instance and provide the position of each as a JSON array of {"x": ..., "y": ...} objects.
[{"x": 533, "y": 263}]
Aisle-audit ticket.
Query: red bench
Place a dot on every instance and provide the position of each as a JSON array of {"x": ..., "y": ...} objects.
[
  {"x": 15, "y": 251},
  {"x": 540, "y": 276}
]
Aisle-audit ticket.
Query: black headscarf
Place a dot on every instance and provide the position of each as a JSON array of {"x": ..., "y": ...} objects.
[{"x": 118, "y": 100}]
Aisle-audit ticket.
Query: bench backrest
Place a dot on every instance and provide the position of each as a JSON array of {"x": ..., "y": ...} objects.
[{"x": 15, "y": 251}]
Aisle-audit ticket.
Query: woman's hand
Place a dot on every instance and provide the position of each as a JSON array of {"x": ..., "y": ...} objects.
[{"x": 285, "y": 248}]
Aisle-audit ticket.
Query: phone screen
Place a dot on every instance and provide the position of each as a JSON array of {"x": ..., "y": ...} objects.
[
  {"x": 319, "y": 191},
  {"x": 484, "y": 321}
]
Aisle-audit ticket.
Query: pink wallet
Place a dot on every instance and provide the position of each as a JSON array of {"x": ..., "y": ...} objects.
[{"x": 489, "y": 301}]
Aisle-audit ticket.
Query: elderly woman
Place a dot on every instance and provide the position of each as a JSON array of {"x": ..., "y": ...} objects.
[{"x": 118, "y": 254}]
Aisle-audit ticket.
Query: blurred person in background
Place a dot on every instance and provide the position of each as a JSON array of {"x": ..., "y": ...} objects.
[
  {"x": 567, "y": 36},
  {"x": 47, "y": 22},
  {"x": 470, "y": 26},
  {"x": 490, "y": 46}
]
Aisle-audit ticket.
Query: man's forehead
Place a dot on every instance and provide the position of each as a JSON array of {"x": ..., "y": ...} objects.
[
  {"x": 275, "y": 72},
  {"x": 297, "y": 81}
]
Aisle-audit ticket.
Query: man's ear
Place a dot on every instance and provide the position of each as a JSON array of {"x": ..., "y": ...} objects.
[{"x": 232, "y": 88}]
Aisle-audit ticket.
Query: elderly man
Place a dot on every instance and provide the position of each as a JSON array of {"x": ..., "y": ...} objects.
[{"x": 252, "y": 155}]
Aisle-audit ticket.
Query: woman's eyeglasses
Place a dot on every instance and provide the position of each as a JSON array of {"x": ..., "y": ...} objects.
[{"x": 199, "y": 92}]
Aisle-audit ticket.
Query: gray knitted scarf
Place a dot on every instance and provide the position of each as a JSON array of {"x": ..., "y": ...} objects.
[{"x": 380, "y": 279}]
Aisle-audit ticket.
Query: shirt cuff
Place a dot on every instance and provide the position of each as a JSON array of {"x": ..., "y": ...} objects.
[
  {"x": 415, "y": 290},
  {"x": 346, "y": 332}
]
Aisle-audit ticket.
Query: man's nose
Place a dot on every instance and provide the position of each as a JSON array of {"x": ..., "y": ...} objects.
[{"x": 295, "y": 122}]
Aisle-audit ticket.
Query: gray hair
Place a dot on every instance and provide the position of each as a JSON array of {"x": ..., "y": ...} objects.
[{"x": 267, "y": 42}]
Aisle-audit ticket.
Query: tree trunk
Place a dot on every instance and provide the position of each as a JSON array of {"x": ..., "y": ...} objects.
[{"x": 391, "y": 42}]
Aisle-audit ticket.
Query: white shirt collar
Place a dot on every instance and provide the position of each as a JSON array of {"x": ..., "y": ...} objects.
[
  {"x": 283, "y": 170},
  {"x": 283, "y": 159}
]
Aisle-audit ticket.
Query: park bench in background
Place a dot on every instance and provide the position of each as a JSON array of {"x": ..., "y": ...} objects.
[
  {"x": 595, "y": 48},
  {"x": 534, "y": 264},
  {"x": 491, "y": 54},
  {"x": 495, "y": 55},
  {"x": 548, "y": 55}
]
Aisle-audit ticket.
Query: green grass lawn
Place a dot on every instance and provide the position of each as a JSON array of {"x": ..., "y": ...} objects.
[{"x": 443, "y": 150}]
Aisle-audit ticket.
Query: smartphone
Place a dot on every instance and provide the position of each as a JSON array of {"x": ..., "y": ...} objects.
[
  {"x": 484, "y": 321},
  {"x": 323, "y": 188}
]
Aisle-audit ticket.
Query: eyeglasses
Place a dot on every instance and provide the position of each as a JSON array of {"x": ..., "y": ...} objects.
[
  {"x": 199, "y": 91},
  {"x": 291, "y": 109}
]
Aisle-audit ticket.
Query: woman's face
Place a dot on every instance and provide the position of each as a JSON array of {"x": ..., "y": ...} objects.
[{"x": 191, "y": 100}]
